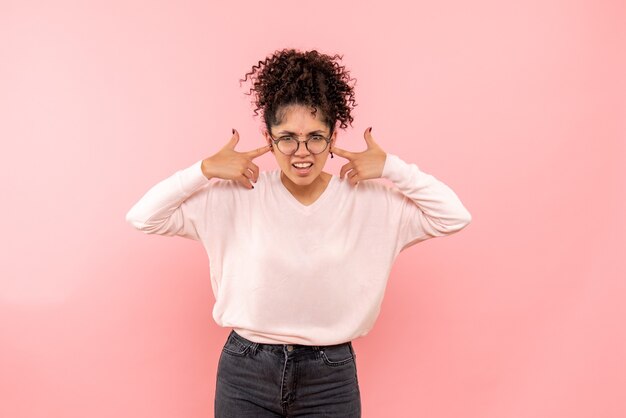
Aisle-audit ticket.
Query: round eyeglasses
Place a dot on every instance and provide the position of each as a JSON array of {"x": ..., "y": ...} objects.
[{"x": 289, "y": 145}]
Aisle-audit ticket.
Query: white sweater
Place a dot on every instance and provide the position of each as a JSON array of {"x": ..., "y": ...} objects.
[{"x": 286, "y": 273}]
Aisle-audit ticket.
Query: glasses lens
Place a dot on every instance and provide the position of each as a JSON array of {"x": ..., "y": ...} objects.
[
  {"x": 317, "y": 145},
  {"x": 287, "y": 146}
]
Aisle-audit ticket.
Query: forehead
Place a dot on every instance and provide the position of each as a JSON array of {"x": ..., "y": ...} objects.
[{"x": 300, "y": 119}]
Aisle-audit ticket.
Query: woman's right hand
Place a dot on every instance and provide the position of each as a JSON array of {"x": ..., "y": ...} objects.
[{"x": 229, "y": 164}]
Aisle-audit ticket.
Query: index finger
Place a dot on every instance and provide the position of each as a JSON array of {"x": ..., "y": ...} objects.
[
  {"x": 342, "y": 152},
  {"x": 259, "y": 151}
]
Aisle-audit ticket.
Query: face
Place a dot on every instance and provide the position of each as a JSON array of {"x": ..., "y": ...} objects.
[{"x": 298, "y": 121}]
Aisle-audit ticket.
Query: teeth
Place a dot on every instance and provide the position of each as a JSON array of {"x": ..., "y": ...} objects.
[{"x": 302, "y": 165}]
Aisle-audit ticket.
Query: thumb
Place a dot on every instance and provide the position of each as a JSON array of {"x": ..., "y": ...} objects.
[
  {"x": 233, "y": 140},
  {"x": 368, "y": 137}
]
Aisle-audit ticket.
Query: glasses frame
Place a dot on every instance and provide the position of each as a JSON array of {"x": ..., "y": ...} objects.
[{"x": 306, "y": 143}]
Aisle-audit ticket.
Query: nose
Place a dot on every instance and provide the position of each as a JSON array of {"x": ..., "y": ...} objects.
[{"x": 302, "y": 150}]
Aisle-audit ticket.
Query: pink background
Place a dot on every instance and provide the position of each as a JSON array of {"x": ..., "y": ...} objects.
[{"x": 520, "y": 107}]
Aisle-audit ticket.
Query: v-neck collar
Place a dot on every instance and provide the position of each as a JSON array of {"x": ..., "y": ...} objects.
[{"x": 295, "y": 203}]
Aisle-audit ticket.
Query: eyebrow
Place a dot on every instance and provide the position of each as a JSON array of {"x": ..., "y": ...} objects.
[{"x": 312, "y": 132}]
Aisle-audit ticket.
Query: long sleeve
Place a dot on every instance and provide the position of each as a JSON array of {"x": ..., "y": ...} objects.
[
  {"x": 429, "y": 208},
  {"x": 173, "y": 206}
]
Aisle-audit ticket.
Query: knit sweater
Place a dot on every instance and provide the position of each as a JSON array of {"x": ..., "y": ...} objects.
[{"x": 287, "y": 273}]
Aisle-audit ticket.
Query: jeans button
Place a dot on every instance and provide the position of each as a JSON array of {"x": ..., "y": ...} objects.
[{"x": 290, "y": 348}]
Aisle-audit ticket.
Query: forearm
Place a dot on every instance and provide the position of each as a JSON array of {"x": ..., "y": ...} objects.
[
  {"x": 439, "y": 204},
  {"x": 158, "y": 211}
]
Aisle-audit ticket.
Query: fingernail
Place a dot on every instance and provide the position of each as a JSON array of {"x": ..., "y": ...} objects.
[
  {"x": 253, "y": 187},
  {"x": 370, "y": 129},
  {"x": 233, "y": 131}
]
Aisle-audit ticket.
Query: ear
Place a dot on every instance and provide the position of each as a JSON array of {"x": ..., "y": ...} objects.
[{"x": 268, "y": 139}]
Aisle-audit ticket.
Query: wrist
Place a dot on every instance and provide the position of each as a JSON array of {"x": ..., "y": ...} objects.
[{"x": 205, "y": 169}]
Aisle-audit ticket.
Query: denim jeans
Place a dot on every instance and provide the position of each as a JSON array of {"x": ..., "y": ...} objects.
[{"x": 286, "y": 380}]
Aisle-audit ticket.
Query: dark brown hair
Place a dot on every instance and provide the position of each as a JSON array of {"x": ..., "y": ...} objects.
[{"x": 305, "y": 78}]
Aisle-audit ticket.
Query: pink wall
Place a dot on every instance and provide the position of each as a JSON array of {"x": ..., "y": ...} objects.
[{"x": 520, "y": 108}]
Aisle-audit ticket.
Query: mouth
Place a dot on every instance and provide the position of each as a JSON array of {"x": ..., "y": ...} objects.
[{"x": 302, "y": 168}]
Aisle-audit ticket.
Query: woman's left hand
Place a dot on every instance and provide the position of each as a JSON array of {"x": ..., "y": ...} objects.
[{"x": 364, "y": 165}]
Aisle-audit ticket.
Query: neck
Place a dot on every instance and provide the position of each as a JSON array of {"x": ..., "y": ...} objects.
[{"x": 309, "y": 190}]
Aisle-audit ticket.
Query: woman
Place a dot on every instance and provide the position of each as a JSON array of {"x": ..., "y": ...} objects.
[{"x": 299, "y": 258}]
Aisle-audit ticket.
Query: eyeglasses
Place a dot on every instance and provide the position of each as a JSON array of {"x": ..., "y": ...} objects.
[{"x": 289, "y": 145}]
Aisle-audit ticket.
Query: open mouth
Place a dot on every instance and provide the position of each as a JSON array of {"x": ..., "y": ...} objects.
[{"x": 302, "y": 168}]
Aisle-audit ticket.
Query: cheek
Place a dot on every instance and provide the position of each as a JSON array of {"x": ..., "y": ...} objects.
[
  {"x": 321, "y": 159},
  {"x": 282, "y": 161}
]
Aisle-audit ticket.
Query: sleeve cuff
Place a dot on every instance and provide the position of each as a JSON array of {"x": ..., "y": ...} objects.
[
  {"x": 192, "y": 178},
  {"x": 395, "y": 168}
]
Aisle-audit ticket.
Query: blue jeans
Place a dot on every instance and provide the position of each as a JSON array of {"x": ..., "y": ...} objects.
[{"x": 286, "y": 380}]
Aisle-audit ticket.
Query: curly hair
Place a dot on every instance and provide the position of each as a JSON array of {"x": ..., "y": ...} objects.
[{"x": 305, "y": 78}]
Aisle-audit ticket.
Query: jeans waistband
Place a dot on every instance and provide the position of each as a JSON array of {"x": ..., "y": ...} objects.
[{"x": 280, "y": 348}]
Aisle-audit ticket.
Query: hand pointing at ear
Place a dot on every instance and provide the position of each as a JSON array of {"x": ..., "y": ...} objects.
[
  {"x": 364, "y": 165},
  {"x": 229, "y": 164}
]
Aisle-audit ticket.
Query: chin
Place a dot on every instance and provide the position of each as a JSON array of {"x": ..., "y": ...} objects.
[{"x": 301, "y": 180}]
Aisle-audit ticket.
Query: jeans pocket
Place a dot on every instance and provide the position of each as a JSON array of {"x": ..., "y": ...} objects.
[
  {"x": 337, "y": 355},
  {"x": 236, "y": 347}
]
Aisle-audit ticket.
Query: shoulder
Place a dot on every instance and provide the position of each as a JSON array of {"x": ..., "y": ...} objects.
[
  {"x": 365, "y": 187},
  {"x": 373, "y": 192}
]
